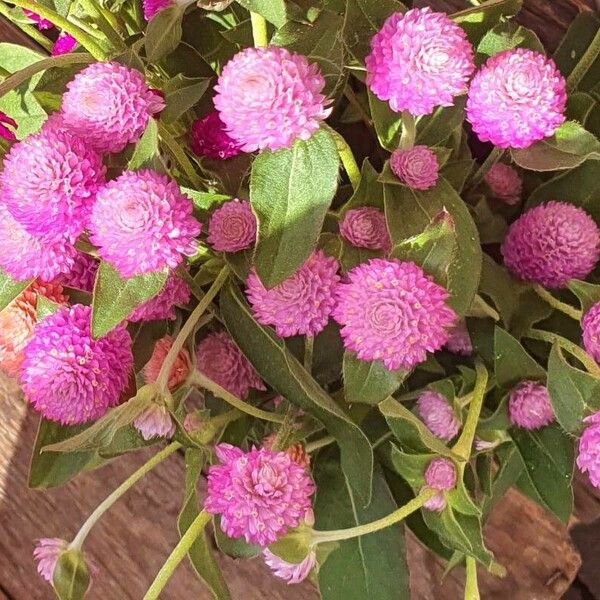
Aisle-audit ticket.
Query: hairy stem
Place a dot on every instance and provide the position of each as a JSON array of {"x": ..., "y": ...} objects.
[
  {"x": 584, "y": 64},
  {"x": 324, "y": 441},
  {"x": 409, "y": 131},
  {"x": 351, "y": 97},
  {"x": 471, "y": 585},
  {"x": 545, "y": 295},
  {"x": 493, "y": 157},
  {"x": 347, "y": 157},
  {"x": 28, "y": 30},
  {"x": 179, "y": 155},
  {"x": 259, "y": 30}
]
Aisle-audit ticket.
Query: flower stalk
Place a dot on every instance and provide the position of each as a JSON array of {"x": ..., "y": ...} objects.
[
  {"x": 259, "y": 30},
  {"x": 471, "y": 585},
  {"x": 567, "y": 309},
  {"x": 409, "y": 131}
]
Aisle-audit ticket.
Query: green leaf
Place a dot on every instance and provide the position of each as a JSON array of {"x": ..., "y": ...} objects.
[
  {"x": 477, "y": 21},
  {"x": 181, "y": 94},
  {"x": 273, "y": 11},
  {"x": 115, "y": 298},
  {"x": 147, "y": 147},
  {"x": 290, "y": 192},
  {"x": 512, "y": 363},
  {"x": 388, "y": 124},
  {"x": 369, "y": 191},
  {"x": 45, "y": 307},
  {"x": 437, "y": 127},
  {"x": 295, "y": 546},
  {"x": 498, "y": 285},
  {"x": 71, "y": 578},
  {"x": 205, "y": 200},
  {"x": 235, "y": 548},
  {"x": 164, "y": 32},
  {"x": 10, "y": 289},
  {"x": 278, "y": 367},
  {"x": 587, "y": 293},
  {"x": 506, "y": 36}
]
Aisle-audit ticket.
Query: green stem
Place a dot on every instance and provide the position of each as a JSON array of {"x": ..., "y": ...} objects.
[
  {"x": 259, "y": 30},
  {"x": 409, "y": 131},
  {"x": 493, "y": 157},
  {"x": 348, "y": 161},
  {"x": 110, "y": 500},
  {"x": 471, "y": 585},
  {"x": 545, "y": 295},
  {"x": 324, "y": 441},
  {"x": 354, "y": 101},
  {"x": 384, "y": 438},
  {"x": 106, "y": 24},
  {"x": 284, "y": 434},
  {"x": 584, "y": 64},
  {"x": 179, "y": 155},
  {"x": 28, "y": 30},
  {"x": 179, "y": 553},
  {"x": 309, "y": 347}
]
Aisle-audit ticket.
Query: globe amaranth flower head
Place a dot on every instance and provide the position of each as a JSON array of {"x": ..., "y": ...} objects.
[
  {"x": 588, "y": 456},
  {"x": 529, "y": 406},
  {"x": 392, "y": 311},
  {"x": 175, "y": 292},
  {"x": 591, "y": 331},
  {"x": 437, "y": 414},
  {"x": 504, "y": 183},
  {"x": 109, "y": 105},
  {"x": 440, "y": 475},
  {"x": 517, "y": 98},
  {"x": 552, "y": 243},
  {"x": 46, "y": 553},
  {"x": 155, "y": 421},
  {"x": 49, "y": 182},
  {"x": 365, "y": 227},
  {"x": 142, "y": 223},
  {"x": 82, "y": 274},
  {"x": 418, "y": 167},
  {"x": 419, "y": 60},
  {"x": 64, "y": 44},
  {"x": 70, "y": 377},
  {"x": 290, "y": 572},
  {"x": 209, "y": 138},
  {"x": 219, "y": 358},
  {"x": 459, "y": 341},
  {"x": 181, "y": 367},
  {"x": 7, "y": 127},
  {"x": 259, "y": 494},
  {"x": 270, "y": 97},
  {"x": 232, "y": 227},
  {"x": 301, "y": 304}
]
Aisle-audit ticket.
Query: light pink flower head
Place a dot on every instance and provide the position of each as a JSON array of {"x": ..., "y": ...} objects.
[
  {"x": 210, "y": 139},
  {"x": 419, "y": 60},
  {"x": 155, "y": 421},
  {"x": 392, "y": 311},
  {"x": 529, "y": 406},
  {"x": 440, "y": 475},
  {"x": 64, "y": 44},
  {"x": 142, "y": 223},
  {"x": 108, "y": 105},
  {"x": 49, "y": 182},
  {"x": 259, "y": 494},
  {"x": 151, "y": 7},
  {"x": 365, "y": 227},
  {"x": 504, "y": 183},
  {"x": 82, "y": 274},
  {"x": 591, "y": 331},
  {"x": 588, "y": 456},
  {"x": 418, "y": 168},
  {"x": 437, "y": 414},
  {"x": 301, "y": 304},
  {"x": 42, "y": 24},
  {"x": 232, "y": 227},
  {"x": 290, "y": 572},
  {"x": 270, "y": 97},
  {"x": 176, "y": 292},
  {"x": 219, "y": 358},
  {"x": 46, "y": 553},
  {"x": 7, "y": 125},
  {"x": 181, "y": 367},
  {"x": 552, "y": 243},
  {"x": 67, "y": 375},
  {"x": 459, "y": 341},
  {"x": 517, "y": 98}
]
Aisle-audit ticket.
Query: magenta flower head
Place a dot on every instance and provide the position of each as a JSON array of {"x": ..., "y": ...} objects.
[
  {"x": 551, "y": 244},
  {"x": 392, "y": 311},
  {"x": 365, "y": 227},
  {"x": 259, "y": 494},
  {"x": 49, "y": 182},
  {"x": 176, "y": 292},
  {"x": 588, "y": 456},
  {"x": 529, "y": 406},
  {"x": 270, "y": 97},
  {"x": 591, "y": 331},
  {"x": 219, "y": 358},
  {"x": 151, "y": 7},
  {"x": 419, "y": 60},
  {"x": 180, "y": 369},
  {"x": 142, "y": 223},
  {"x": 418, "y": 168},
  {"x": 232, "y": 227},
  {"x": 437, "y": 414},
  {"x": 459, "y": 341},
  {"x": 210, "y": 139},
  {"x": 440, "y": 475},
  {"x": 64, "y": 44},
  {"x": 42, "y": 24},
  {"x": 7, "y": 125},
  {"x": 46, "y": 553},
  {"x": 155, "y": 421},
  {"x": 301, "y": 304},
  {"x": 290, "y": 572},
  {"x": 108, "y": 105},
  {"x": 82, "y": 274},
  {"x": 517, "y": 98},
  {"x": 505, "y": 183},
  {"x": 70, "y": 377}
]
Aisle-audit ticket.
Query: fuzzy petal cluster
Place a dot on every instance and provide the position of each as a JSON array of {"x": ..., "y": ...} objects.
[
  {"x": 82, "y": 274},
  {"x": 419, "y": 60},
  {"x": 529, "y": 406},
  {"x": 209, "y": 138},
  {"x": 108, "y": 105},
  {"x": 219, "y": 358},
  {"x": 418, "y": 168},
  {"x": 64, "y": 44},
  {"x": 591, "y": 331},
  {"x": 552, "y": 243},
  {"x": 142, "y": 223},
  {"x": 49, "y": 181},
  {"x": 181, "y": 367},
  {"x": 439, "y": 475},
  {"x": 232, "y": 227},
  {"x": 365, "y": 227},
  {"x": 290, "y": 572},
  {"x": 46, "y": 553},
  {"x": 259, "y": 494},
  {"x": 300, "y": 305},
  {"x": 67, "y": 375},
  {"x": 392, "y": 311},
  {"x": 517, "y": 98},
  {"x": 155, "y": 421},
  {"x": 505, "y": 183},
  {"x": 175, "y": 292},
  {"x": 437, "y": 414},
  {"x": 588, "y": 456},
  {"x": 270, "y": 97},
  {"x": 7, "y": 127},
  {"x": 459, "y": 341},
  {"x": 151, "y": 7}
]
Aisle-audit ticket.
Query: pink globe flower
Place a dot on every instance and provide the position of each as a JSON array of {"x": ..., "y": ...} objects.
[
  {"x": 175, "y": 292},
  {"x": 210, "y": 139},
  {"x": 418, "y": 168},
  {"x": 180, "y": 370},
  {"x": 64, "y": 44},
  {"x": 588, "y": 456},
  {"x": 151, "y": 7},
  {"x": 440, "y": 475},
  {"x": 459, "y": 341},
  {"x": 517, "y": 98},
  {"x": 142, "y": 223},
  {"x": 219, "y": 358},
  {"x": 365, "y": 227},
  {"x": 437, "y": 414},
  {"x": 70, "y": 377},
  {"x": 46, "y": 553},
  {"x": 504, "y": 183},
  {"x": 259, "y": 494},
  {"x": 49, "y": 182},
  {"x": 270, "y": 97},
  {"x": 7, "y": 125},
  {"x": 42, "y": 24},
  {"x": 529, "y": 406},
  {"x": 155, "y": 421},
  {"x": 232, "y": 227},
  {"x": 290, "y": 572},
  {"x": 591, "y": 331},
  {"x": 301, "y": 304},
  {"x": 392, "y": 311},
  {"x": 82, "y": 274},
  {"x": 552, "y": 243},
  {"x": 108, "y": 105},
  {"x": 419, "y": 60}
]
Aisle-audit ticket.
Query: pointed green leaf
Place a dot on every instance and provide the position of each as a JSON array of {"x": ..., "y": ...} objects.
[
  {"x": 512, "y": 363},
  {"x": 273, "y": 11},
  {"x": 587, "y": 293},
  {"x": 10, "y": 289},
  {"x": 369, "y": 191},
  {"x": 437, "y": 127},
  {"x": 147, "y": 147},
  {"x": 506, "y": 36},
  {"x": 164, "y": 31},
  {"x": 45, "y": 307},
  {"x": 71, "y": 579},
  {"x": 182, "y": 94},
  {"x": 476, "y": 21}
]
